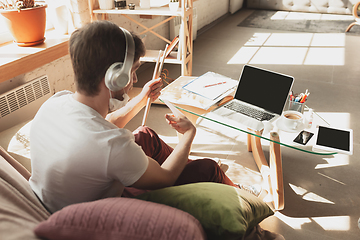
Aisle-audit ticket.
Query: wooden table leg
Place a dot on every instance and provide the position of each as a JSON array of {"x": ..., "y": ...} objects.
[
  {"x": 254, "y": 146},
  {"x": 249, "y": 143},
  {"x": 276, "y": 173},
  {"x": 272, "y": 174}
]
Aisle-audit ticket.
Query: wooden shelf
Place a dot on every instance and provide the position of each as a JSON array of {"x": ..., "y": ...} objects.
[
  {"x": 161, "y": 11},
  {"x": 185, "y": 45}
]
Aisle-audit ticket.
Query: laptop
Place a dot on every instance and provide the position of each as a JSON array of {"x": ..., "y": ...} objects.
[{"x": 260, "y": 96}]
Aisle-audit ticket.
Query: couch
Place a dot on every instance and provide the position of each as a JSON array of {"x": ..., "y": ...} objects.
[
  {"x": 315, "y": 6},
  {"x": 22, "y": 215}
]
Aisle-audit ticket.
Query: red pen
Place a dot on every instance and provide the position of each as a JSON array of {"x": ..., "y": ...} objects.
[
  {"x": 214, "y": 84},
  {"x": 291, "y": 96},
  {"x": 304, "y": 97}
]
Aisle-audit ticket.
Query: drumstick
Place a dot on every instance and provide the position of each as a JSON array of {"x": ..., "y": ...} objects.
[
  {"x": 162, "y": 61},
  {"x": 156, "y": 74},
  {"x": 148, "y": 103}
]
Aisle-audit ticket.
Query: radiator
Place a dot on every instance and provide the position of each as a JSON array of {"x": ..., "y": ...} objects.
[{"x": 21, "y": 103}]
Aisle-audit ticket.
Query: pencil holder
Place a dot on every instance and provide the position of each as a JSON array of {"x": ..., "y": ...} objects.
[{"x": 296, "y": 106}]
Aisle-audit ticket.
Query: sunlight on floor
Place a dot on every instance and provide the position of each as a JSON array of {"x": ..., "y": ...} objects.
[
  {"x": 279, "y": 55},
  {"x": 337, "y": 160},
  {"x": 335, "y": 223},
  {"x": 332, "y": 223},
  {"x": 292, "y": 48},
  {"x": 332, "y": 179},
  {"x": 289, "y": 39},
  {"x": 309, "y": 196},
  {"x": 294, "y": 223}
]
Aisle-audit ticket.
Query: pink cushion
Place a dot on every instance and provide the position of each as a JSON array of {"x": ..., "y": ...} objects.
[{"x": 120, "y": 218}]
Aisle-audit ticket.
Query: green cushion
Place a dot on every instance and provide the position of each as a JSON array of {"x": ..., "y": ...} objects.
[{"x": 225, "y": 212}]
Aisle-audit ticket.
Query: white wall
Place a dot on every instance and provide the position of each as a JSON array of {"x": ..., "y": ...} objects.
[{"x": 208, "y": 11}]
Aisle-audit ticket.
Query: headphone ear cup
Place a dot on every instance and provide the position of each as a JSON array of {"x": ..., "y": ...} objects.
[
  {"x": 115, "y": 79},
  {"x": 118, "y": 74}
]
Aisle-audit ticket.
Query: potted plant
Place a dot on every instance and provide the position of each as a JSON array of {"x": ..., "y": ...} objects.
[
  {"x": 174, "y": 5},
  {"x": 26, "y": 20}
]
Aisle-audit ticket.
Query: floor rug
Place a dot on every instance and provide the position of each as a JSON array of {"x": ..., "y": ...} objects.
[{"x": 300, "y": 22}]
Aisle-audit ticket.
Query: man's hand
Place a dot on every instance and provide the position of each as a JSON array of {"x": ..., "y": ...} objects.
[
  {"x": 152, "y": 89},
  {"x": 180, "y": 124}
]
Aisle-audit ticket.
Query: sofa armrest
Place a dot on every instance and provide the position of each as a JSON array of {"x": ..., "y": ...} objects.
[
  {"x": 20, "y": 168},
  {"x": 20, "y": 209}
]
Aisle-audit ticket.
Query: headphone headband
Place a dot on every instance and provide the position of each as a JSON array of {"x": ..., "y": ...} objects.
[{"x": 119, "y": 73}]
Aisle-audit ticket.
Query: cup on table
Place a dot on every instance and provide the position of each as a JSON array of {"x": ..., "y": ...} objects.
[{"x": 292, "y": 119}]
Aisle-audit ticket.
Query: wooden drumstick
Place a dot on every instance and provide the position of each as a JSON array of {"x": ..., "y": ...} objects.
[
  {"x": 156, "y": 74},
  {"x": 148, "y": 103}
]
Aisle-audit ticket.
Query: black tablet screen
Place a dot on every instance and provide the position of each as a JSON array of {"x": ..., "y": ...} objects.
[{"x": 334, "y": 138}]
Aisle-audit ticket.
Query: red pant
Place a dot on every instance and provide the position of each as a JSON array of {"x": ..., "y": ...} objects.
[{"x": 202, "y": 170}]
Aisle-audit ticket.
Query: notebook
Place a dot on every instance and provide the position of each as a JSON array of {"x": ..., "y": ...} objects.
[{"x": 260, "y": 96}]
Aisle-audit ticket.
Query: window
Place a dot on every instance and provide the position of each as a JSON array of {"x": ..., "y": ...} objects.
[{"x": 5, "y": 35}]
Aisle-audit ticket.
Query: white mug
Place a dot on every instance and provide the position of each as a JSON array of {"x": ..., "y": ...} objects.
[{"x": 292, "y": 119}]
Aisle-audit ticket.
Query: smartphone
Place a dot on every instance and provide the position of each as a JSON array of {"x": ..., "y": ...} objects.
[{"x": 303, "y": 137}]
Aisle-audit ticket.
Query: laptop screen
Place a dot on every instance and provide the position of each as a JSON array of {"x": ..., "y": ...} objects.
[{"x": 264, "y": 89}]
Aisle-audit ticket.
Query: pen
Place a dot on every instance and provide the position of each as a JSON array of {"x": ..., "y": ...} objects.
[
  {"x": 304, "y": 98},
  {"x": 214, "y": 84},
  {"x": 291, "y": 95},
  {"x": 297, "y": 99}
]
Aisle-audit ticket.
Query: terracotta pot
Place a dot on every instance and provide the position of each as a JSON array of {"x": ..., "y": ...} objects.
[{"x": 27, "y": 25}]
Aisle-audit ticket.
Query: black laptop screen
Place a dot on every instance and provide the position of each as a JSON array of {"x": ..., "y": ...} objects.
[{"x": 263, "y": 88}]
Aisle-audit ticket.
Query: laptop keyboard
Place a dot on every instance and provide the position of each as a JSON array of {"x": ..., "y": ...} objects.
[{"x": 249, "y": 111}]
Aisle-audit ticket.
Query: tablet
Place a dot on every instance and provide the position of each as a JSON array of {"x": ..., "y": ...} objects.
[{"x": 334, "y": 140}]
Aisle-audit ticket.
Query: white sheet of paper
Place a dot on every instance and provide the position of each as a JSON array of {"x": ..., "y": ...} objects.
[
  {"x": 211, "y": 85},
  {"x": 175, "y": 111}
]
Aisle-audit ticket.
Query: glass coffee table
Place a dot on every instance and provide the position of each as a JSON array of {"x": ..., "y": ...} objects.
[{"x": 194, "y": 107}]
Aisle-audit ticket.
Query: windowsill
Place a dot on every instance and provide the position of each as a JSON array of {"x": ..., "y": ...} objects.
[{"x": 15, "y": 60}]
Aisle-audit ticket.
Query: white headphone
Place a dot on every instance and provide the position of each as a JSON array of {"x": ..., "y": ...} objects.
[{"x": 118, "y": 74}]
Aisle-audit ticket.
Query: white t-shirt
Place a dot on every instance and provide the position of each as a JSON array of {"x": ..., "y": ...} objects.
[{"x": 78, "y": 156}]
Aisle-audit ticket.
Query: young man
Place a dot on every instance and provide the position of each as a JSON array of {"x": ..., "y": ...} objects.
[{"x": 81, "y": 153}]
